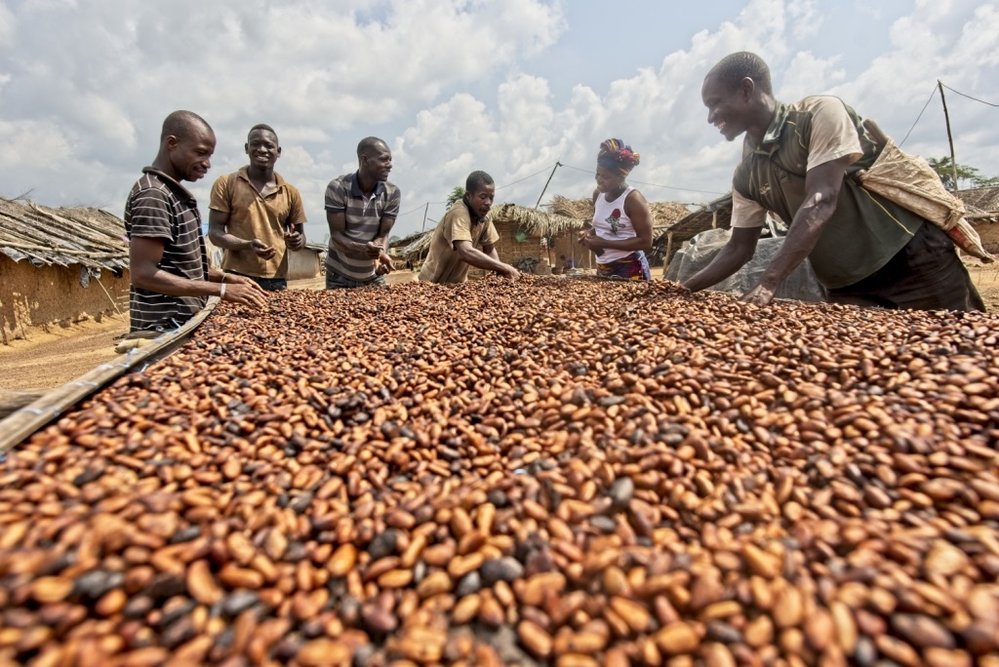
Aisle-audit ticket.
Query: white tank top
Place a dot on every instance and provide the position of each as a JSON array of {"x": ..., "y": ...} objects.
[{"x": 610, "y": 221}]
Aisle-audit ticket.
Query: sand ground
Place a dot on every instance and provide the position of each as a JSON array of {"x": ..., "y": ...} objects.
[{"x": 49, "y": 359}]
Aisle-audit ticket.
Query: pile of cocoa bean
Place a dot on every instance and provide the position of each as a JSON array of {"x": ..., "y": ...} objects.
[{"x": 546, "y": 471}]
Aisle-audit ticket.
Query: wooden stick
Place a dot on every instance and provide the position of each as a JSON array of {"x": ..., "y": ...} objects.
[
  {"x": 108, "y": 294},
  {"x": 60, "y": 250}
]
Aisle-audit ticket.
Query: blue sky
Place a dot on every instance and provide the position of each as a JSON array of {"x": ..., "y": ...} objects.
[{"x": 508, "y": 86}]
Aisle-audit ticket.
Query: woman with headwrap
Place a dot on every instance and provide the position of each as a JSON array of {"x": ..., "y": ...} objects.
[{"x": 622, "y": 221}]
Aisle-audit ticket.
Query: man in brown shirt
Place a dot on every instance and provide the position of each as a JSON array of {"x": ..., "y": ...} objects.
[
  {"x": 464, "y": 229},
  {"x": 256, "y": 216}
]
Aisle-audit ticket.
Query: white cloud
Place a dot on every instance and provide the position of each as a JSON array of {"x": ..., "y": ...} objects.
[
  {"x": 103, "y": 76},
  {"x": 47, "y": 5},
  {"x": 8, "y": 25},
  {"x": 452, "y": 85},
  {"x": 32, "y": 145}
]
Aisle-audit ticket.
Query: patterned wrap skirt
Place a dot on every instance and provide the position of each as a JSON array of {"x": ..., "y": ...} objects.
[{"x": 633, "y": 267}]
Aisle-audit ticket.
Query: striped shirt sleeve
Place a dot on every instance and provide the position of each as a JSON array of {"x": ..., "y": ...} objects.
[
  {"x": 151, "y": 215},
  {"x": 336, "y": 196},
  {"x": 394, "y": 202}
]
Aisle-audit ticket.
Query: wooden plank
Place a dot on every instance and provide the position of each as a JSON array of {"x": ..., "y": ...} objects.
[{"x": 12, "y": 401}]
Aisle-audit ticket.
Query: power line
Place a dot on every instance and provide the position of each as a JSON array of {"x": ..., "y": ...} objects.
[
  {"x": 969, "y": 96},
  {"x": 421, "y": 205},
  {"x": 537, "y": 173},
  {"x": 521, "y": 180},
  {"x": 438, "y": 203},
  {"x": 928, "y": 100},
  {"x": 655, "y": 185},
  {"x": 413, "y": 210}
]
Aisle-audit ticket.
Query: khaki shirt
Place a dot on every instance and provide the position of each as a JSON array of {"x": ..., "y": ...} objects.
[
  {"x": 865, "y": 231},
  {"x": 833, "y": 136},
  {"x": 261, "y": 216},
  {"x": 443, "y": 264}
]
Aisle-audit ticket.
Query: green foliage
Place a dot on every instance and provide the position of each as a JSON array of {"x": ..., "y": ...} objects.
[{"x": 966, "y": 175}]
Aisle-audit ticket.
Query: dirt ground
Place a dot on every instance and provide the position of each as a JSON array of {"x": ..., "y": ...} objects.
[
  {"x": 986, "y": 279},
  {"x": 47, "y": 360}
]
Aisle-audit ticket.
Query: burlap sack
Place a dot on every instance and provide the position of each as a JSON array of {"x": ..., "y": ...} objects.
[{"x": 910, "y": 182}]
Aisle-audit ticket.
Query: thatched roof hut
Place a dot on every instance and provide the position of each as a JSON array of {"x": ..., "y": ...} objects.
[
  {"x": 982, "y": 203},
  {"x": 59, "y": 265},
  {"x": 664, "y": 213},
  {"x": 400, "y": 244},
  {"x": 982, "y": 206},
  {"x": 536, "y": 223},
  {"x": 62, "y": 236},
  {"x": 415, "y": 245},
  {"x": 715, "y": 214}
]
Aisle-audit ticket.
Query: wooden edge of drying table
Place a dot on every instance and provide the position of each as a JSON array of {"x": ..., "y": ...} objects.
[{"x": 29, "y": 418}]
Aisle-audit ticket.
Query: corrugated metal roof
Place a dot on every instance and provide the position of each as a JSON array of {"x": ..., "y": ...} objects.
[{"x": 46, "y": 236}]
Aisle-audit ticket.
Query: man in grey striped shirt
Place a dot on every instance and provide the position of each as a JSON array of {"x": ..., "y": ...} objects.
[
  {"x": 360, "y": 210},
  {"x": 171, "y": 277}
]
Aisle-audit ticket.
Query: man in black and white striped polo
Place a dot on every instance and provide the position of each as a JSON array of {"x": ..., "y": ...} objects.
[
  {"x": 361, "y": 209},
  {"x": 171, "y": 277}
]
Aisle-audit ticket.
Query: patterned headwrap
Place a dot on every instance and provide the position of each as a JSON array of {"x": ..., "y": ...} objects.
[{"x": 615, "y": 155}]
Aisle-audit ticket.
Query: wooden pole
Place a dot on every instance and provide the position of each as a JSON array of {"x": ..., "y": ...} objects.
[
  {"x": 426, "y": 210},
  {"x": 557, "y": 165},
  {"x": 548, "y": 241},
  {"x": 669, "y": 251},
  {"x": 950, "y": 139},
  {"x": 110, "y": 298}
]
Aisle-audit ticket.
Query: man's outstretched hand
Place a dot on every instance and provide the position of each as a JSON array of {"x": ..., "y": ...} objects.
[
  {"x": 759, "y": 295},
  {"x": 244, "y": 291}
]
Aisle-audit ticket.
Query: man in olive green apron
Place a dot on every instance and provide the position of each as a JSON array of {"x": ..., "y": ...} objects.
[{"x": 798, "y": 163}]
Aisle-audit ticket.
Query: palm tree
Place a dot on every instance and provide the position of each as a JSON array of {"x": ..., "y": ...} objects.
[
  {"x": 964, "y": 173},
  {"x": 457, "y": 193}
]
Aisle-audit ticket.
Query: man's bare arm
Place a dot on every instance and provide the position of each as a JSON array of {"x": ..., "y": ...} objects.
[
  {"x": 732, "y": 257},
  {"x": 822, "y": 186}
]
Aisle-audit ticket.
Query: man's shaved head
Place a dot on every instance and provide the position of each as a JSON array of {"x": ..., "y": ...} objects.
[
  {"x": 181, "y": 124},
  {"x": 735, "y": 67}
]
